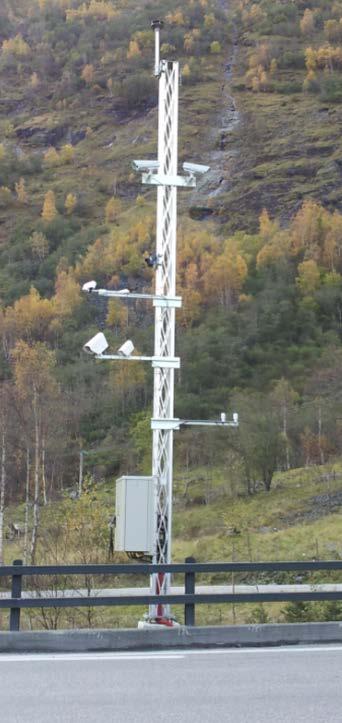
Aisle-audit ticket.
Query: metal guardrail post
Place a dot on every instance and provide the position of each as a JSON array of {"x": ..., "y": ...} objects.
[
  {"x": 189, "y": 608},
  {"x": 16, "y": 593}
]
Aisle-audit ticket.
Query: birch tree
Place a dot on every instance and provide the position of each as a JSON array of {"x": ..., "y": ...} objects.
[{"x": 35, "y": 384}]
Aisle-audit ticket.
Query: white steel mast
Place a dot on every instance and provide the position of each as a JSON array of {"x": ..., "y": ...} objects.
[
  {"x": 162, "y": 173},
  {"x": 165, "y": 322}
]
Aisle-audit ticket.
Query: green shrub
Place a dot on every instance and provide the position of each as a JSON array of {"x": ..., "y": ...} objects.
[
  {"x": 288, "y": 88},
  {"x": 331, "y": 89},
  {"x": 292, "y": 59}
]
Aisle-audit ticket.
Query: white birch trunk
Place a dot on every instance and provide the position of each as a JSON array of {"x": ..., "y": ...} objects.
[
  {"x": 43, "y": 473},
  {"x": 36, "y": 479},
  {"x": 27, "y": 505}
]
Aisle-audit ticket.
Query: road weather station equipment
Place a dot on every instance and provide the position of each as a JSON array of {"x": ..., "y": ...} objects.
[{"x": 144, "y": 504}]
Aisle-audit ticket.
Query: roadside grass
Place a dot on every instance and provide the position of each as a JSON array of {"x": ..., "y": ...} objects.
[{"x": 299, "y": 519}]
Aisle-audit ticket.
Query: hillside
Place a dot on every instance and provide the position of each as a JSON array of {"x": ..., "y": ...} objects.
[{"x": 259, "y": 244}]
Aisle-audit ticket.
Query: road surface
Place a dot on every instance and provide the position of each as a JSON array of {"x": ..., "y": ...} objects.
[
  {"x": 279, "y": 685},
  {"x": 179, "y": 590}
]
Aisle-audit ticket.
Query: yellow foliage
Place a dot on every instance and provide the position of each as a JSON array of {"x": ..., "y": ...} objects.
[
  {"x": 112, "y": 209},
  {"x": 51, "y": 157},
  {"x": 209, "y": 21},
  {"x": 70, "y": 203},
  {"x": 189, "y": 42},
  {"x": 254, "y": 15},
  {"x": 224, "y": 277},
  {"x": 326, "y": 57},
  {"x": 30, "y": 317},
  {"x": 191, "y": 295},
  {"x": 269, "y": 253},
  {"x": 333, "y": 30},
  {"x": 186, "y": 72},
  {"x": 308, "y": 229},
  {"x": 67, "y": 293},
  {"x": 176, "y": 18},
  {"x": 308, "y": 279},
  {"x": 117, "y": 315},
  {"x": 133, "y": 50},
  {"x": 307, "y": 22},
  {"x": 88, "y": 74},
  {"x": 21, "y": 192},
  {"x": 97, "y": 8},
  {"x": 215, "y": 47},
  {"x": 273, "y": 66},
  {"x": 2, "y": 151},
  {"x": 16, "y": 46},
  {"x": 167, "y": 49},
  {"x": 33, "y": 369},
  {"x": 260, "y": 57},
  {"x": 67, "y": 153},
  {"x": 332, "y": 249},
  {"x": 9, "y": 129},
  {"x": 49, "y": 211}
]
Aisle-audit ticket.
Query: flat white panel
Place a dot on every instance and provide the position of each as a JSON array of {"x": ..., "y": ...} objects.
[{"x": 135, "y": 514}]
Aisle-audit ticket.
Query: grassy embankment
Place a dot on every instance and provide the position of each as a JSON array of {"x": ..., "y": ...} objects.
[{"x": 299, "y": 519}]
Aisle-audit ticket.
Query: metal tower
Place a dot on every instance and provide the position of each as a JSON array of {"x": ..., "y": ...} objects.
[{"x": 162, "y": 173}]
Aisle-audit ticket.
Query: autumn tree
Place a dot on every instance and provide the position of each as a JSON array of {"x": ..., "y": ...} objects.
[
  {"x": 308, "y": 278},
  {"x": 51, "y": 157},
  {"x": 70, "y": 203},
  {"x": 117, "y": 315},
  {"x": 224, "y": 276},
  {"x": 5, "y": 412},
  {"x": 20, "y": 189},
  {"x": 67, "y": 153},
  {"x": 88, "y": 74},
  {"x": 39, "y": 245},
  {"x": 308, "y": 229},
  {"x": 112, "y": 209},
  {"x": 133, "y": 51},
  {"x": 35, "y": 383},
  {"x": 307, "y": 22},
  {"x": 49, "y": 211},
  {"x": 67, "y": 293},
  {"x": 30, "y": 318},
  {"x": 284, "y": 396}
]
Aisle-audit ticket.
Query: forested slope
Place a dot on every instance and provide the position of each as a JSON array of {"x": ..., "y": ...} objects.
[{"x": 260, "y": 246}]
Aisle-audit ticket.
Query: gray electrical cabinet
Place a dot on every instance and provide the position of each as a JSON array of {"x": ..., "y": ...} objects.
[{"x": 135, "y": 513}]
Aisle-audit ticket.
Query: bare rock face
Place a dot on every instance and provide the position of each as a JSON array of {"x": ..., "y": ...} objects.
[{"x": 47, "y": 137}]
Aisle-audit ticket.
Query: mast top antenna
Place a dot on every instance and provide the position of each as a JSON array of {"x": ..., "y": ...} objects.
[{"x": 157, "y": 24}]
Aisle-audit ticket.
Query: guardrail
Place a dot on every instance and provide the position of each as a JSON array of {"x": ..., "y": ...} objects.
[{"x": 189, "y": 598}]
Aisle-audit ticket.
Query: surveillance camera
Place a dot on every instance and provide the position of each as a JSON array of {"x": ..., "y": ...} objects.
[
  {"x": 97, "y": 345},
  {"x": 236, "y": 418},
  {"x": 89, "y": 286},
  {"x": 195, "y": 168},
  {"x": 223, "y": 417},
  {"x": 126, "y": 349},
  {"x": 145, "y": 165}
]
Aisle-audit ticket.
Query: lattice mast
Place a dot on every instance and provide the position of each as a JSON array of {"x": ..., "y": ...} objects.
[{"x": 165, "y": 322}]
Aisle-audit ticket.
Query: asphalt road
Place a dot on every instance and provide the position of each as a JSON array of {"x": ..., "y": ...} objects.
[{"x": 280, "y": 685}]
